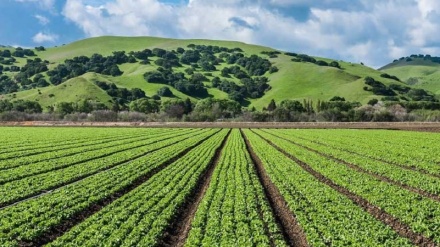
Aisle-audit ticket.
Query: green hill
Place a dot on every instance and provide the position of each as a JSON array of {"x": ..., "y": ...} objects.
[
  {"x": 294, "y": 80},
  {"x": 416, "y": 71}
]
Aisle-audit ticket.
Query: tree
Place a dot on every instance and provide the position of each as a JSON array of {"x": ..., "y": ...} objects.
[
  {"x": 165, "y": 92},
  {"x": 272, "y": 105},
  {"x": 145, "y": 106},
  {"x": 372, "y": 102}
]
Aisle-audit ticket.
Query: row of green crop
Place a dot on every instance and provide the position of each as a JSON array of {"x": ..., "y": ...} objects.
[
  {"x": 140, "y": 217},
  {"x": 53, "y": 138},
  {"x": 234, "y": 210},
  {"x": 327, "y": 217},
  {"x": 75, "y": 151},
  {"x": 398, "y": 147},
  {"x": 28, "y": 220},
  {"x": 421, "y": 214},
  {"x": 20, "y": 137},
  {"x": 29, "y": 186},
  {"x": 393, "y": 172},
  {"x": 87, "y": 154}
]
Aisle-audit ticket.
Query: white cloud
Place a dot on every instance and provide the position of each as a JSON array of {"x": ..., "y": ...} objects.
[
  {"x": 371, "y": 31},
  {"x": 44, "y": 37},
  {"x": 42, "y": 19},
  {"x": 49, "y": 4}
]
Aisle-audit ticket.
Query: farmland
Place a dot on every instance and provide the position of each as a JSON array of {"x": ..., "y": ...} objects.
[{"x": 70, "y": 186}]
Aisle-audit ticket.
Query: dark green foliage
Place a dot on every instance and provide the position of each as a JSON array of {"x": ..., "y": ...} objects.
[
  {"x": 178, "y": 81},
  {"x": 321, "y": 63},
  {"x": 165, "y": 92},
  {"x": 7, "y": 85},
  {"x": 20, "y": 106},
  {"x": 255, "y": 65},
  {"x": 378, "y": 88},
  {"x": 337, "y": 98},
  {"x": 145, "y": 106},
  {"x": 373, "y": 101},
  {"x": 122, "y": 95},
  {"x": 5, "y": 53},
  {"x": 385, "y": 75},
  {"x": 142, "y": 55},
  {"x": 400, "y": 88},
  {"x": 40, "y": 48},
  {"x": 82, "y": 64},
  {"x": 335, "y": 64},
  {"x": 420, "y": 95},
  {"x": 31, "y": 68},
  {"x": 272, "y": 105},
  {"x": 291, "y": 54},
  {"x": 190, "y": 56},
  {"x": 158, "y": 52}
]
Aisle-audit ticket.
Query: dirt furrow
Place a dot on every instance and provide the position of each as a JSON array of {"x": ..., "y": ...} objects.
[
  {"x": 177, "y": 232},
  {"x": 362, "y": 170},
  {"x": 401, "y": 228},
  {"x": 290, "y": 227},
  {"x": 77, "y": 218}
]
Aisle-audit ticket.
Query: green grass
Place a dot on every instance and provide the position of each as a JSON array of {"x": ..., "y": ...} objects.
[
  {"x": 418, "y": 73},
  {"x": 293, "y": 81},
  {"x": 72, "y": 90}
]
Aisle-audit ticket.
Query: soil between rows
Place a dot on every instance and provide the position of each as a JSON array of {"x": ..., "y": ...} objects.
[
  {"x": 290, "y": 227},
  {"x": 362, "y": 170},
  {"x": 77, "y": 218},
  {"x": 401, "y": 228},
  {"x": 178, "y": 230}
]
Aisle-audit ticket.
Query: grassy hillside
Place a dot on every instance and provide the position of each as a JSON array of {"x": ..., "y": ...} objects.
[
  {"x": 294, "y": 80},
  {"x": 418, "y": 72}
]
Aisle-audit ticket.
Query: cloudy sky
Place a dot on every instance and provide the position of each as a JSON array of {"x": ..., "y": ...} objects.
[{"x": 370, "y": 31}]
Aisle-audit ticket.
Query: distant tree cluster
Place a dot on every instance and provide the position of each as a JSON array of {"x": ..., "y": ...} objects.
[
  {"x": 426, "y": 57},
  {"x": 121, "y": 96},
  {"x": 7, "y": 85},
  {"x": 309, "y": 59},
  {"x": 82, "y": 64},
  {"x": 20, "y": 106},
  {"x": 392, "y": 77},
  {"x": 191, "y": 86},
  {"x": 393, "y": 91}
]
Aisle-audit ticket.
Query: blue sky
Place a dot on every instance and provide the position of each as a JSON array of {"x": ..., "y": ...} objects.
[{"x": 371, "y": 31}]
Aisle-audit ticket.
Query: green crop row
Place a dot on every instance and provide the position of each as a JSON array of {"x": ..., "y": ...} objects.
[
  {"x": 393, "y": 172},
  {"x": 327, "y": 217},
  {"x": 27, "y": 220},
  {"x": 29, "y": 186},
  {"x": 140, "y": 217},
  {"x": 82, "y": 155},
  {"x": 405, "y": 148},
  {"x": 234, "y": 210},
  {"x": 67, "y": 138},
  {"x": 421, "y": 214}
]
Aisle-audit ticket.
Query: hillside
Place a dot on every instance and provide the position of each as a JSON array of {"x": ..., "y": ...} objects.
[
  {"x": 294, "y": 79},
  {"x": 419, "y": 72}
]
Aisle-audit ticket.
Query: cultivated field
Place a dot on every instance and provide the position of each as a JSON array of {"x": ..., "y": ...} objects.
[{"x": 218, "y": 187}]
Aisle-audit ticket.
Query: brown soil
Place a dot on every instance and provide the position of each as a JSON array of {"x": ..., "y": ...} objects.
[
  {"x": 401, "y": 228},
  {"x": 414, "y": 126},
  {"x": 77, "y": 218},
  {"x": 362, "y": 170},
  {"x": 290, "y": 227},
  {"x": 178, "y": 230}
]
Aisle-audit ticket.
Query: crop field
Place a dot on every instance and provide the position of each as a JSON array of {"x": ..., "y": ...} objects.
[{"x": 69, "y": 186}]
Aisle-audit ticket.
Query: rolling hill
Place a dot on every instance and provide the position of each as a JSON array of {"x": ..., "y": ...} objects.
[
  {"x": 419, "y": 72},
  {"x": 294, "y": 80}
]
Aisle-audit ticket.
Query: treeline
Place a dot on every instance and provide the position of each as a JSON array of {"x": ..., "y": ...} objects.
[
  {"x": 336, "y": 109},
  {"x": 426, "y": 57},
  {"x": 308, "y": 59}
]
